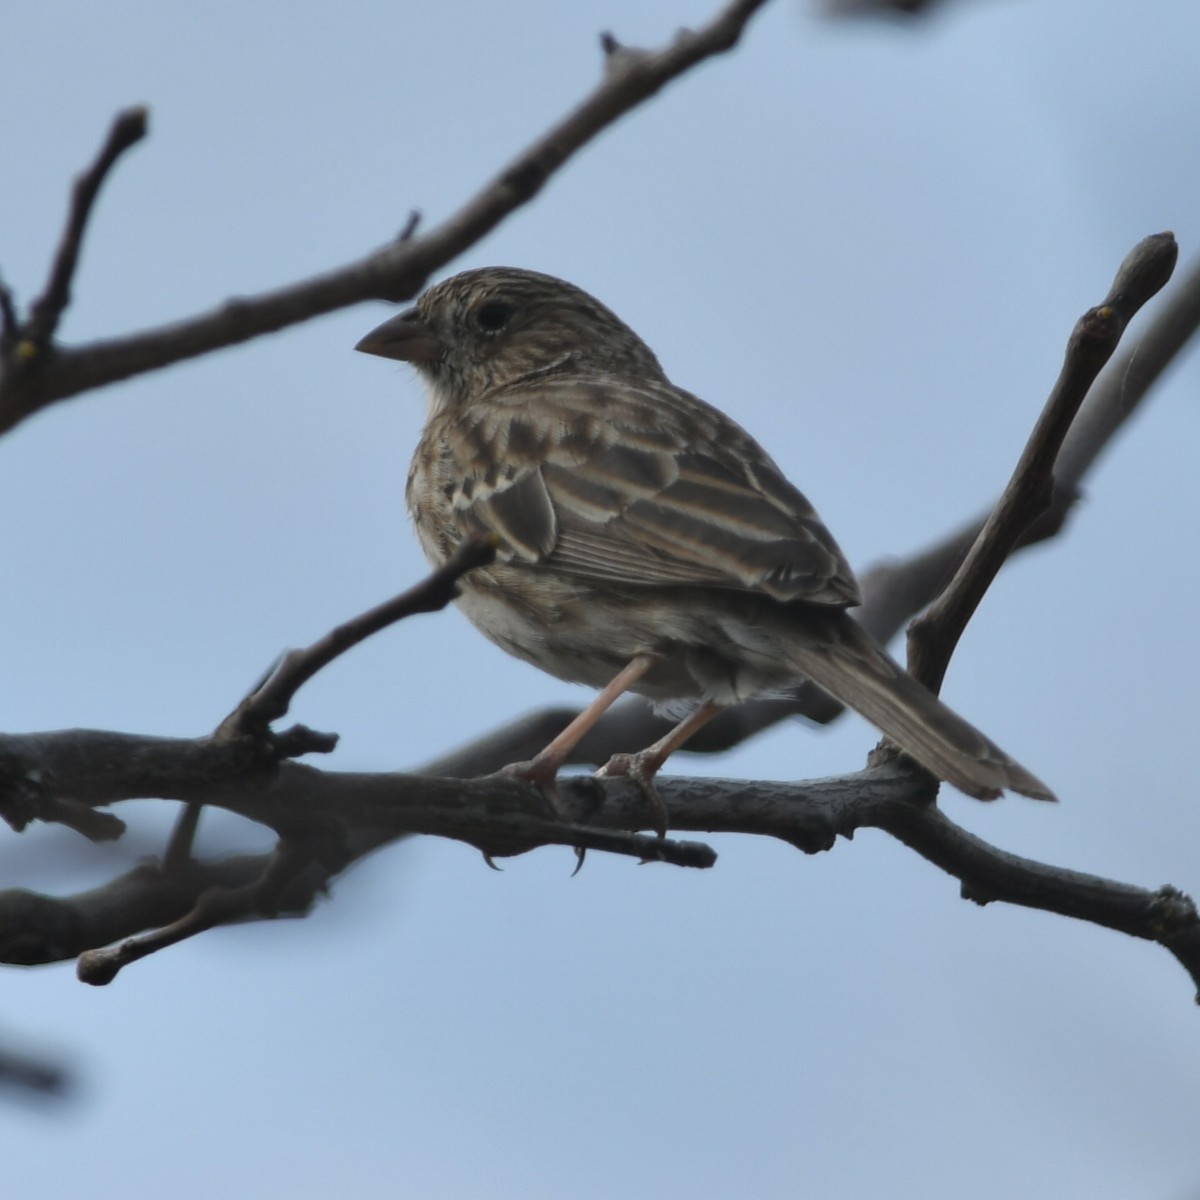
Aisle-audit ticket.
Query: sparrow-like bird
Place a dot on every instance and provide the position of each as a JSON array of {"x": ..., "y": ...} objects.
[{"x": 646, "y": 542}]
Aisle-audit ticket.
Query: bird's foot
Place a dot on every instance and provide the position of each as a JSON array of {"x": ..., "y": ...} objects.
[
  {"x": 641, "y": 768},
  {"x": 544, "y": 777}
]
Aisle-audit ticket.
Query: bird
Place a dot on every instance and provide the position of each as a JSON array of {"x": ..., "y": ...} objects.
[{"x": 645, "y": 542}]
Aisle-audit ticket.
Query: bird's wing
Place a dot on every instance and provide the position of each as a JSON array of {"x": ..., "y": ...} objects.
[{"x": 640, "y": 485}]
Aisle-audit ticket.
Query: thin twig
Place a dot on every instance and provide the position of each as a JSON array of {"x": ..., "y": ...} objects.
[
  {"x": 400, "y": 269},
  {"x": 33, "y": 1075},
  {"x": 894, "y": 9},
  {"x": 216, "y": 906},
  {"x": 933, "y": 637},
  {"x": 128, "y": 128},
  {"x": 272, "y": 699},
  {"x": 10, "y": 329},
  {"x": 36, "y": 928},
  {"x": 177, "y": 857},
  {"x": 1164, "y": 915}
]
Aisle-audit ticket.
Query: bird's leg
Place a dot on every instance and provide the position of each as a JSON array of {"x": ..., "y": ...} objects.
[
  {"x": 645, "y": 764},
  {"x": 543, "y": 768}
]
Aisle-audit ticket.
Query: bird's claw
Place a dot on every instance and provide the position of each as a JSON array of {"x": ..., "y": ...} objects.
[
  {"x": 641, "y": 769},
  {"x": 545, "y": 782}
]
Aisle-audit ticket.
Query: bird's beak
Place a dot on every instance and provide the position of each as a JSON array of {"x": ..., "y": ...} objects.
[{"x": 405, "y": 337}]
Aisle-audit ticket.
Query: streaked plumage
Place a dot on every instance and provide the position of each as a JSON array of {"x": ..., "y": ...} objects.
[{"x": 636, "y": 522}]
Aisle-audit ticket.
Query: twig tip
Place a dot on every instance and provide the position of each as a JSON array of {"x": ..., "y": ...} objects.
[
  {"x": 1144, "y": 272},
  {"x": 98, "y": 967},
  {"x": 135, "y": 117},
  {"x": 410, "y": 226}
]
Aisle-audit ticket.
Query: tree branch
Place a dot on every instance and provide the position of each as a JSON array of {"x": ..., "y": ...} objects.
[
  {"x": 492, "y": 814},
  {"x": 218, "y": 905},
  {"x": 272, "y": 698},
  {"x": 933, "y": 637},
  {"x": 41, "y": 376},
  {"x": 988, "y": 874},
  {"x": 895, "y": 9},
  {"x": 127, "y": 130},
  {"x": 32, "y": 1075},
  {"x": 325, "y": 821}
]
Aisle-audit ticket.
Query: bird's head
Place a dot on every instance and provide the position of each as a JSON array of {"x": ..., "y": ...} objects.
[{"x": 497, "y": 327}]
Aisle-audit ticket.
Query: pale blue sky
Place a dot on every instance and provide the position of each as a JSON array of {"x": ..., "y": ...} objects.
[{"x": 867, "y": 243}]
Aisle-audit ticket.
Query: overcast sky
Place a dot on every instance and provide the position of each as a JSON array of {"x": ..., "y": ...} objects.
[{"x": 866, "y": 242}]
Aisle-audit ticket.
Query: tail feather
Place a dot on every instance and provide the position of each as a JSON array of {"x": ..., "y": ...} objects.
[{"x": 863, "y": 676}]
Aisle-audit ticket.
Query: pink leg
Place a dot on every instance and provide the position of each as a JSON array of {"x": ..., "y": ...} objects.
[
  {"x": 543, "y": 768},
  {"x": 645, "y": 764}
]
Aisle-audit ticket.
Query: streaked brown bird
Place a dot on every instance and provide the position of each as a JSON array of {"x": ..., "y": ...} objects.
[{"x": 646, "y": 542}]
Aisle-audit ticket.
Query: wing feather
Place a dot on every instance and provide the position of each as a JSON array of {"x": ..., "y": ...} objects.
[{"x": 643, "y": 485}]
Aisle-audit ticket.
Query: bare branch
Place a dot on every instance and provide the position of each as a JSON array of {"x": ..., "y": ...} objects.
[
  {"x": 10, "y": 330},
  {"x": 178, "y": 854},
  {"x": 1127, "y": 379},
  {"x": 128, "y": 128},
  {"x": 933, "y": 637},
  {"x": 901, "y": 9},
  {"x": 35, "y": 928},
  {"x": 271, "y": 699},
  {"x": 215, "y": 906},
  {"x": 492, "y": 814},
  {"x": 988, "y": 874},
  {"x": 396, "y": 272},
  {"x": 33, "y": 1075},
  {"x": 326, "y": 820},
  {"x": 26, "y": 796}
]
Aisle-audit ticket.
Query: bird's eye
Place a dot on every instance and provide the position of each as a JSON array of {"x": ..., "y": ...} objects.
[{"x": 493, "y": 316}]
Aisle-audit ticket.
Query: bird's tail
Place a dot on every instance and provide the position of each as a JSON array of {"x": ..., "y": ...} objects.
[{"x": 853, "y": 668}]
